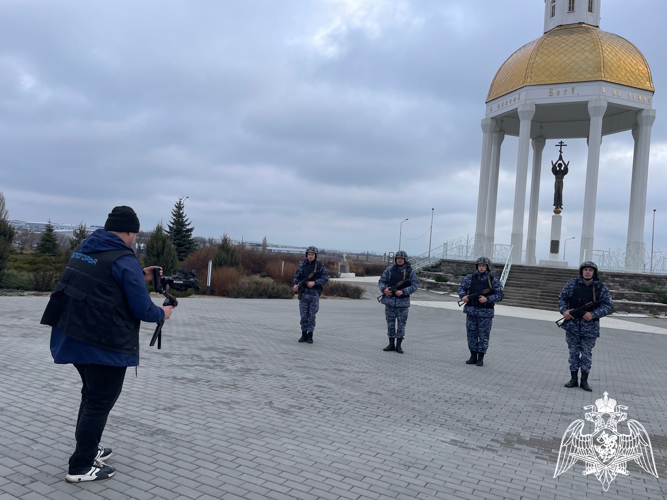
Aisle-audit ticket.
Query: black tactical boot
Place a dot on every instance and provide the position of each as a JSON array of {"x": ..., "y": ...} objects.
[
  {"x": 480, "y": 359},
  {"x": 398, "y": 346},
  {"x": 473, "y": 358},
  {"x": 584, "y": 382},
  {"x": 309, "y": 337},
  {"x": 303, "y": 336},
  {"x": 574, "y": 381},
  {"x": 391, "y": 346}
]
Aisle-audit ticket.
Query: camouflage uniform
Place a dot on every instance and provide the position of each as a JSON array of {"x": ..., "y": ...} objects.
[
  {"x": 479, "y": 319},
  {"x": 310, "y": 297},
  {"x": 581, "y": 334},
  {"x": 396, "y": 308}
]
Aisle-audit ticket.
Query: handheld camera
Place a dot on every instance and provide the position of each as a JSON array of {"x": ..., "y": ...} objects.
[{"x": 182, "y": 281}]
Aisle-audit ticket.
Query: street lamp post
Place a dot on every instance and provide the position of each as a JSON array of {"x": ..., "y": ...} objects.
[
  {"x": 565, "y": 245},
  {"x": 431, "y": 235},
  {"x": 400, "y": 235},
  {"x": 652, "y": 240}
]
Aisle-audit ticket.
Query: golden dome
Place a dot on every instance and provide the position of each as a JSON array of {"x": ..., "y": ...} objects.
[{"x": 573, "y": 53}]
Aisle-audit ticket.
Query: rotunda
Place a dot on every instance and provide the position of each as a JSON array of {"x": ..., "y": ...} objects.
[{"x": 575, "y": 81}]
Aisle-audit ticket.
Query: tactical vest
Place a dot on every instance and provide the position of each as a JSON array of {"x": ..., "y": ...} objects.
[
  {"x": 478, "y": 285},
  {"x": 581, "y": 296},
  {"x": 397, "y": 276},
  {"x": 307, "y": 270},
  {"x": 89, "y": 305}
]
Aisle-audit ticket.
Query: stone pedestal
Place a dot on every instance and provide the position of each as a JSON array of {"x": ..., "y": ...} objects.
[
  {"x": 344, "y": 270},
  {"x": 554, "y": 249}
]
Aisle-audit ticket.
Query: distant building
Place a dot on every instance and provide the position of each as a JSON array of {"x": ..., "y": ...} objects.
[{"x": 40, "y": 227}]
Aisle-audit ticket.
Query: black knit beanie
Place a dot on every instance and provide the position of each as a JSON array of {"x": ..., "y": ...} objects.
[{"x": 122, "y": 220}]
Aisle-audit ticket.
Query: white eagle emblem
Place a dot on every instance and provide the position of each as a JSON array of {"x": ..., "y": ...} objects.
[{"x": 606, "y": 452}]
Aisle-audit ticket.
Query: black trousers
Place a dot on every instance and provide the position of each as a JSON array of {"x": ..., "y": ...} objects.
[{"x": 101, "y": 387}]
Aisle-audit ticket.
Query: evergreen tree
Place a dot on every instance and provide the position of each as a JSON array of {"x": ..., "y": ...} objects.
[
  {"x": 48, "y": 243},
  {"x": 226, "y": 256},
  {"x": 181, "y": 232},
  {"x": 7, "y": 234},
  {"x": 160, "y": 251},
  {"x": 79, "y": 234},
  {"x": 265, "y": 245}
]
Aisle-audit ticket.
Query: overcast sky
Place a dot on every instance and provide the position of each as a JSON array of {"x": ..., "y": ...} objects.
[{"x": 321, "y": 122}]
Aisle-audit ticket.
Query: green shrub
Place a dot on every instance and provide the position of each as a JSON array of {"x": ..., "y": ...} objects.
[
  {"x": 36, "y": 262},
  {"x": 263, "y": 274},
  {"x": 17, "y": 280},
  {"x": 662, "y": 297},
  {"x": 440, "y": 279},
  {"x": 260, "y": 289},
  {"x": 340, "y": 289}
]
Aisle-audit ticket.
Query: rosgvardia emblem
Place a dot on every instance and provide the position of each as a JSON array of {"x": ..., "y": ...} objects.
[{"x": 606, "y": 452}]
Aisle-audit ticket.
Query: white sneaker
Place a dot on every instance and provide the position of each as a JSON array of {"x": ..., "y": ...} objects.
[
  {"x": 103, "y": 454},
  {"x": 95, "y": 473}
]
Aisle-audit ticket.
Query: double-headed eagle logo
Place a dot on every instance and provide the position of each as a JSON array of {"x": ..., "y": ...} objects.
[{"x": 606, "y": 452}]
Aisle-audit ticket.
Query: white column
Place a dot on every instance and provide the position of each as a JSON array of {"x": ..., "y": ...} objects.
[
  {"x": 634, "y": 255},
  {"x": 488, "y": 125},
  {"x": 526, "y": 113},
  {"x": 531, "y": 242},
  {"x": 496, "y": 146},
  {"x": 596, "y": 110}
]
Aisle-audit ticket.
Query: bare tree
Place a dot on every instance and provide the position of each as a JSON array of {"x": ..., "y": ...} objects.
[
  {"x": 4, "y": 214},
  {"x": 26, "y": 239}
]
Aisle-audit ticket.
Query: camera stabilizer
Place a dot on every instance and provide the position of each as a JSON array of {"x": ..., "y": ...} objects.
[{"x": 182, "y": 281}]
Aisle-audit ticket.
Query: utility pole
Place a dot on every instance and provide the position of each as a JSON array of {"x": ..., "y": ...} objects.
[
  {"x": 431, "y": 236},
  {"x": 652, "y": 240},
  {"x": 400, "y": 235}
]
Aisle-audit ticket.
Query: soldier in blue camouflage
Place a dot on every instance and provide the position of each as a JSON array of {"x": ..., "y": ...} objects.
[
  {"x": 397, "y": 283},
  {"x": 310, "y": 277},
  {"x": 582, "y": 323},
  {"x": 480, "y": 291}
]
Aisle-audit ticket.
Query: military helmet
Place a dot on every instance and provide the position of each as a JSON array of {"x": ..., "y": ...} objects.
[
  {"x": 312, "y": 249},
  {"x": 401, "y": 254},
  {"x": 484, "y": 260},
  {"x": 590, "y": 264}
]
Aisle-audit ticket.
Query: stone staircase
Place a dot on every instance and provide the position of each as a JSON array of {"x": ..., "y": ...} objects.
[{"x": 538, "y": 287}]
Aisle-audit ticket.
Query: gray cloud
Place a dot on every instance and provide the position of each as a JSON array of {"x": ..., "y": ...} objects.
[{"x": 325, "y": 122}]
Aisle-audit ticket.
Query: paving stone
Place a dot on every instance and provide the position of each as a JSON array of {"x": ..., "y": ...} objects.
[{"x": 233, "y": 407}]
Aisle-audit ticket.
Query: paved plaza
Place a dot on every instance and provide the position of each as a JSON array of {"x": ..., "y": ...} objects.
[{"x": 233, "y": 407}]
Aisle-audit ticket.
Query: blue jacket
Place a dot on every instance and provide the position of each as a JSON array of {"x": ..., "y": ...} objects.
[
  {"x": 494, "y": 297},
  {"x": 581, "y": 326},
  {"x": 130, "y": 276},
  {"x": 403, "y": 300}
]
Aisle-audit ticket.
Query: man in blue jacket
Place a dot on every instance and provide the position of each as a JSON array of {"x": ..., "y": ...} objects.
[
  {"x": 480, "y": 291},
  {"x": 397, "y": 283},
  {"x": 583, "y": 327},
  {"x": 95, "y": 312}
]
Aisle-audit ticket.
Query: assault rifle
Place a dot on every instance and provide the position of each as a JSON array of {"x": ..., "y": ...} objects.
[
  {"x": 474, "y": 295},
  {"x": 392, "y": 289},
  {"x": 303, "y": 282},
  {"x": 181, "y": 282},
  {"x": 582, "y": 309}
]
